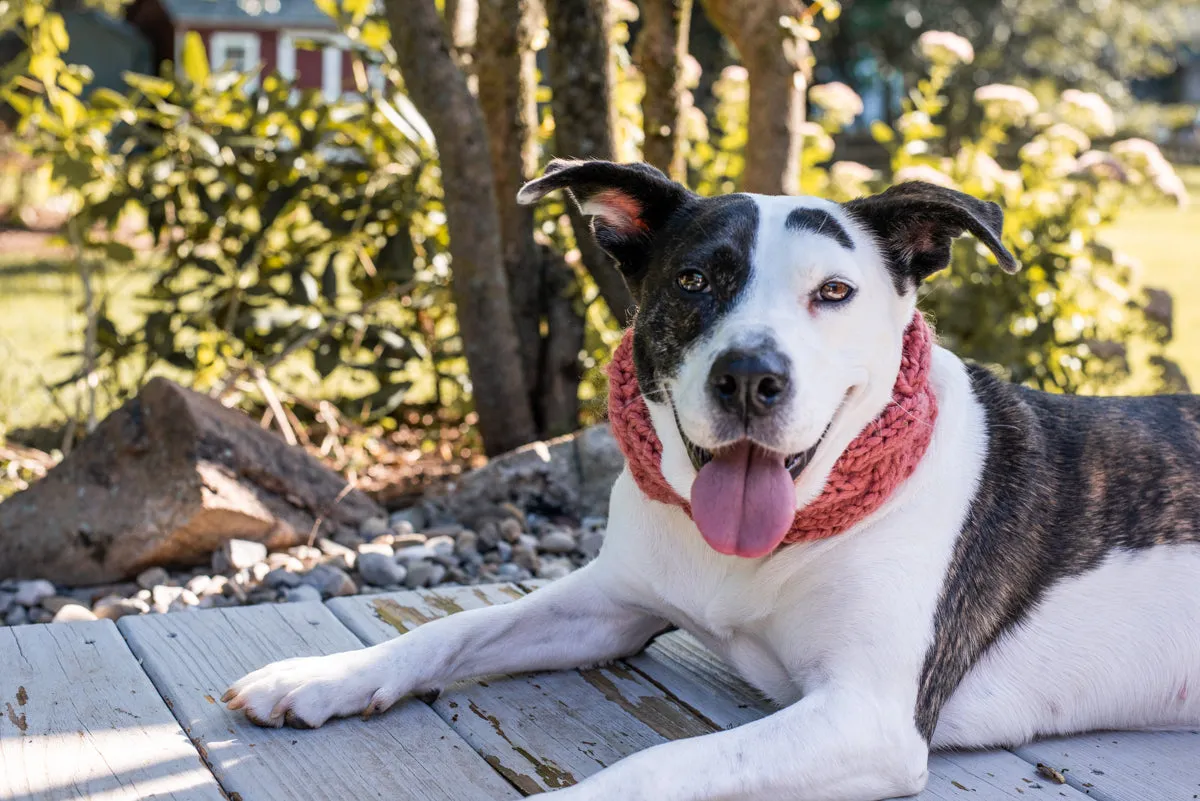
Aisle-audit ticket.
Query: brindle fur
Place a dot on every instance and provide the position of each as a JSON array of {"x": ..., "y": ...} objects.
[{"x": 1066, "y": 481}]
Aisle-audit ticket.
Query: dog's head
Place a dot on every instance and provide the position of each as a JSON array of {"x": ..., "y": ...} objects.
[{"x": 769, "y": 329}]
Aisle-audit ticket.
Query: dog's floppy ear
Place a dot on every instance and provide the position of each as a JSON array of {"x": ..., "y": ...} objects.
[
  {"x": 628, "y": 204},
  {"x": 915, "y": 223}
]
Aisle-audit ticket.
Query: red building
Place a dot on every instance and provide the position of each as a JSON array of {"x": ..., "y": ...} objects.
[{"x": 248, "y": 34}]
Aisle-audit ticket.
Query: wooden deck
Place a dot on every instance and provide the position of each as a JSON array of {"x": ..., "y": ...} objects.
[{"x": 129, "y": 711}]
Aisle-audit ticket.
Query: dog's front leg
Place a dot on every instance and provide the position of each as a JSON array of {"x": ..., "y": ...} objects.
[
  {"x": 831, "y": 746},
  {"x": 578, "y": 620}
]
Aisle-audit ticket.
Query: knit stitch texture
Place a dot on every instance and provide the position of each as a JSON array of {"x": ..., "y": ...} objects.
[{"x": 873, "y": 465}]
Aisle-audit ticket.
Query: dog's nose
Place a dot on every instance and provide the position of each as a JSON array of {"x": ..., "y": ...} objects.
[{"x": 749, "y": 383}]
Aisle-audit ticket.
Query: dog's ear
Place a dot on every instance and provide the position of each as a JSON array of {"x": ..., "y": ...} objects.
[
  {"x": 915, "y": 223},
  {"x": 628, "y": 204}
]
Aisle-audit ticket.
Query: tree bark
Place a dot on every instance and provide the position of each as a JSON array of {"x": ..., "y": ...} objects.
[
  {"x": 661, "y": 48},
  {"x": 507, "y": 78},
  {"x": 581, "y": 81},
  {"x": 439, "y": 90},
  {"x": 559, "y": 373},
  {"x": 777, "y": 64}
]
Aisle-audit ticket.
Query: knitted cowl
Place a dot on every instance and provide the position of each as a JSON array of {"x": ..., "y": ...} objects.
[{"x": 873, "y": 465}]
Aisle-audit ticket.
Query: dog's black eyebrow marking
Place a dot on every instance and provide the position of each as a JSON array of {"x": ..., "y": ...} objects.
[{"x": 819, "y": 222}]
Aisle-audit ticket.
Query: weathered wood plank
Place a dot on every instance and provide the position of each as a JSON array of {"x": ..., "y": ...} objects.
[
  {"x": 728, "y": 701},
  {"x": 408, "y": 753},
  {"x": 81, "y": 720},
  {"x": 542, "y": 730},
  {"x": 1125, "y": 766}
]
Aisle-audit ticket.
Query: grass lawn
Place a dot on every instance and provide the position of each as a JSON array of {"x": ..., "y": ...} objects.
[
  {"x": 1167, "y": 243},
  {"x": 39, "y": 320}
]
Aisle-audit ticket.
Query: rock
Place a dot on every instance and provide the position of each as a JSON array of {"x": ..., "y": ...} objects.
[
  {"x": 600, "y": 463},
  {"x": 39, "y": 615},
  {"x": 406, "y": 521},
  {"x": 17, "y": 616},
  {"x": 442, "y": 545},
  {"x": 114, "y": 607},
  {"x": 512, "y": 572},
  {"x": 348, "y": 556},
  {"x": 259, "y": 571},
  {"x": 554, "y": 568},
  {"x": 380, "y": 569},
  {"x": 238, "y": 555},
  {"x": 510, "y": 530},
  {"x": 489, "y": 534},
  {"x": 200, "y": 585},
  {"x": 405, "y": 540},
  {"x": 420, "y": 574},
  {"x": 333, "y": 582},
  {"x": 526, "y": 557},
  {"x": 542, "y": 476},
  {"x": 166, "y": 479},
  {"x": 439, "y": 573},
  {"x": 466, "y": 542},
  {"x": 74, "y": 613},
  {"x": 450, "y": 530},
  {"x": 413, "y": 553},
  {"x": 306, "y": 554},
  {"x": 590, "y": 543},
  {"x": 32, "y": 593},
  {"x": 304, "y": 592},
  {"x": 505, "y": 551},
  {"x": 373, "y": 527},
  {"x": 56, "y": 602},
  {"x": 557, "y": 541},
  {"x": 162, "y": 597},
  {"x": 279, "y": 559},
  {"x": 376, "y": 547},
  {"x": 7, "y": 599},
  {"x": 152, "y": 577},
  {"x": 279, "y": 578}
]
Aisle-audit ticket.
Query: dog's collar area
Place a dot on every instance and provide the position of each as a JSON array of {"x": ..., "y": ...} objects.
[{"x": 865, "y": 474}]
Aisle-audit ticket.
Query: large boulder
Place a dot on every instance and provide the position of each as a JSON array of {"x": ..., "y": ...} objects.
[{"x": 166, "y": 480}]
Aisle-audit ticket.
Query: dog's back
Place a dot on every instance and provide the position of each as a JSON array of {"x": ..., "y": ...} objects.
[{"x": 1079, "y": 506}]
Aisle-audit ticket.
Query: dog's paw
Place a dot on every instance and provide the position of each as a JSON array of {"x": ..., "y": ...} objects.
[{"x": 307, "y": 691}]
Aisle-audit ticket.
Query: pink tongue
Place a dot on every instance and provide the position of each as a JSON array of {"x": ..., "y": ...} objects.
[{"x": 744, "y": 501}]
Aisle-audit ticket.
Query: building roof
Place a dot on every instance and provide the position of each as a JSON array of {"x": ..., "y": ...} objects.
[{"x": 249, "y": 13}]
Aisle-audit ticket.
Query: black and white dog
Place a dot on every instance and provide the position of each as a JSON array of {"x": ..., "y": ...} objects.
[{"x": 1039, "y": 536}]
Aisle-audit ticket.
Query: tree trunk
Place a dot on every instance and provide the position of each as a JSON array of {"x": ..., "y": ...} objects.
[
  {"x": 581, "y": 82},
  {"x": 777, "y": 64},
  {"x": 661, "y": 48},
  {"x": 559, "y": 372},
  {"x": 507, "y": 79},
  {"x": 708, "y": 46},
  {"x": 439, "y": 90}
]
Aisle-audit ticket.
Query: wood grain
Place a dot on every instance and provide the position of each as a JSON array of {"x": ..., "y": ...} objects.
[
  {"x": 79, "y": 719},
  {"x": 541, "y": 730},
  {"x": 408, "y": 753}
]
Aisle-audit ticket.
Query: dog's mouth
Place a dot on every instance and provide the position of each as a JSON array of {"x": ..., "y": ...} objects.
[{"x": 795, "y": 463}]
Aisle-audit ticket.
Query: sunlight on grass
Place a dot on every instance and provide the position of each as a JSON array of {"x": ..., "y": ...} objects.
[
  {"x": 40, "y": 299},
  {"x": 1166, "y": 241}
]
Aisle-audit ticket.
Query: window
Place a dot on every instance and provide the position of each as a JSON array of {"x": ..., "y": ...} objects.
[{"x": 237, "y": 51}]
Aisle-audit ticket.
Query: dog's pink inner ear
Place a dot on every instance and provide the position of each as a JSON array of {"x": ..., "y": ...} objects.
[{"x": 617, "y": 211}]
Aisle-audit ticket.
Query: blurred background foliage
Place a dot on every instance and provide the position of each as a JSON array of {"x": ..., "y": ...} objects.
[{"x": 293, "y": 254}]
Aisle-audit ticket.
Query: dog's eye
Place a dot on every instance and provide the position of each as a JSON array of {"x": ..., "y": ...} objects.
[
  {"x": 835, "y": 291},
  {"x": 692, "y": 281}
]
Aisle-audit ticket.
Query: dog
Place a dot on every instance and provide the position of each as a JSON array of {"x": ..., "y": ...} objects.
[{"x": 1022, "y": 564}]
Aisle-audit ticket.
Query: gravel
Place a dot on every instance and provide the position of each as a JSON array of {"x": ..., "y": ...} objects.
[{"x": 414, "y": 548}]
